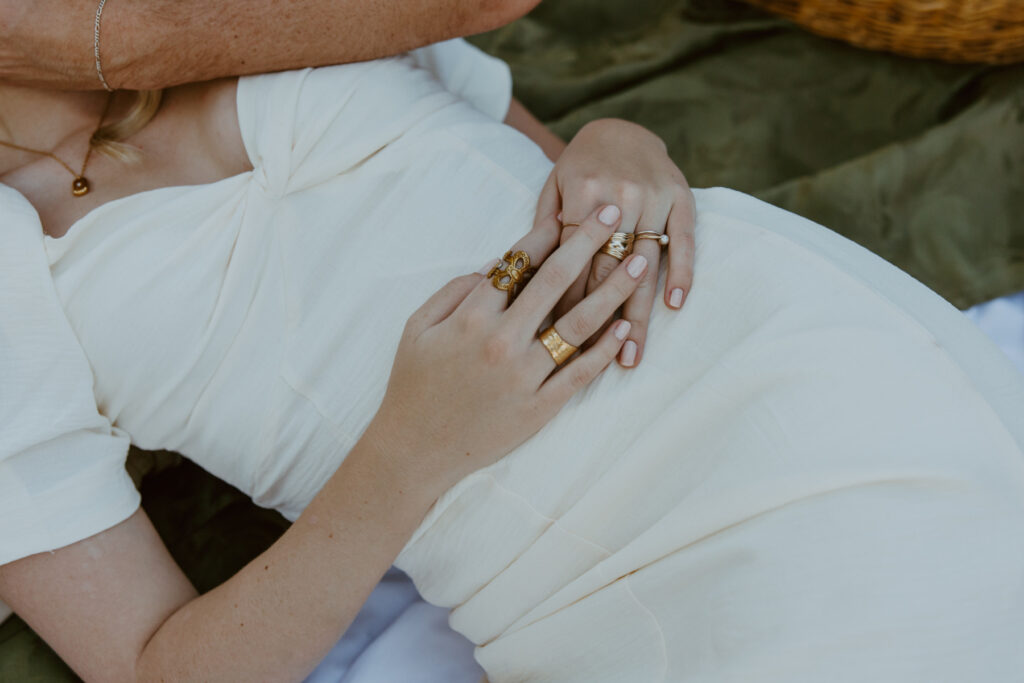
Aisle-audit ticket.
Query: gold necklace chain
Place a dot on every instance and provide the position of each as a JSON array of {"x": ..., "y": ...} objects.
[{"x": 80, "y": 185}]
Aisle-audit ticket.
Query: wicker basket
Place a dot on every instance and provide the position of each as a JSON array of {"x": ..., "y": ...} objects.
[{"x": 989, "y": 31}]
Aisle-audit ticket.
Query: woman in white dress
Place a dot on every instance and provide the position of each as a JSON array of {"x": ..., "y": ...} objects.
[{"x": 815, "y": 473}]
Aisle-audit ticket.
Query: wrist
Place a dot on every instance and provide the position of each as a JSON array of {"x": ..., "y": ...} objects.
[
  {"x": 390, "y": 461},
  {"x": 620, "y": 128}
]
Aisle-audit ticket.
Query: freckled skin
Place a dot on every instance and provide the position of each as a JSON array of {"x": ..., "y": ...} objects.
[{"x": 161, "y": 43}]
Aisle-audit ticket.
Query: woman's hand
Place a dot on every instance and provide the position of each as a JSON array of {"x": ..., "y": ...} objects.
[
  {"x": 471, "y": 380},
  {"x": 616, "y": 162}
]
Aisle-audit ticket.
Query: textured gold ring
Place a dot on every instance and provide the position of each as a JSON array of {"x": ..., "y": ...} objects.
[
  {"x": 512, "y": 273},
  {"x": 559, "y": 349},
  {"x": 661, "y": 237},
  {"x": 619, "y": 245}
]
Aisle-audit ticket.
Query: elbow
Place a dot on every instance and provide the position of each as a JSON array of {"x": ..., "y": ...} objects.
[{"x": 492, "y": 14}]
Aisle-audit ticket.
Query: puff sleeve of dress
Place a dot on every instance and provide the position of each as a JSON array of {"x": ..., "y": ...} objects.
[
  {"x": 465, "y": 70},
  {"x": 62, "y": 474},
  {"x": 301, "y": 128}
]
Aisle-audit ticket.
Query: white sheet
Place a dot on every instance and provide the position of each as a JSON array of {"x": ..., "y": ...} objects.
[
  {"x": 399, "y": 637},
  {"x": 1003, "y": 321}
]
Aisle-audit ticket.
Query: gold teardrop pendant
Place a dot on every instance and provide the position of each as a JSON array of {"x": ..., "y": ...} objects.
[{"x": 80, "y": 187}]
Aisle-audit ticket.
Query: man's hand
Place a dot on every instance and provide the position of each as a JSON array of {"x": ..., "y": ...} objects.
[{"x": 161, "y": 43}]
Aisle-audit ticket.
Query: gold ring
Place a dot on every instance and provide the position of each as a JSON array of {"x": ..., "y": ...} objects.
[
  {"x": 512, "y": 273},
  {"x": 559, "y": 349},
  {"x": 570, "y": 225},
  {"x": 619, "y": 245},
  {"x": 651, "y": 235}
]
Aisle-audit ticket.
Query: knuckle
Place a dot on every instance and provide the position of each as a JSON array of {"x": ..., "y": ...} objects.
[
  {"x": 461, "y": 284},
  {"x": 552, "y": 275},
  {"x": 602, "y": 269},
  {"x": 579, "y": 375},
  {"x": 624, "y": 286},
  {"x": 474, "y": 320},
  {"x": 578, "y": 327},
  {"x": 495, "y": 349},
  {"x": 648, "y": 281},
  {"x": 596, "y": 231},
  {"x": 591, "y": 185},
  {"x": 630, "y": 191}
]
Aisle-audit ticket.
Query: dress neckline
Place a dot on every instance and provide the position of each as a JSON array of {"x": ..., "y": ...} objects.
[
  {"x": 90, "y": 215},
  {"x": 114, "y": 203}
]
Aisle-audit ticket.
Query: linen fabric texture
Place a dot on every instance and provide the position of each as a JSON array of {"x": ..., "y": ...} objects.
[
  {"x": 62, "y": 474},
  {"x": 815, "y": 474}
]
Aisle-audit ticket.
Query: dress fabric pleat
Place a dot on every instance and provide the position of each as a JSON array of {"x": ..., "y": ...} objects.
[{"x": 814, "y": 474}]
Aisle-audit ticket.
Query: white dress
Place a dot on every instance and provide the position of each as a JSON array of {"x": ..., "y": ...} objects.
[{"x": 815, "y": 474}]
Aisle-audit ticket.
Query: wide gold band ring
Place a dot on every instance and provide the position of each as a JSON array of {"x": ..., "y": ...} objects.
[
  {"x": 619, "y": 245},
  {"x": 559, "y": 349},
  {"x": 512, "y": 273},
  {"x": 661, "y": 237}
]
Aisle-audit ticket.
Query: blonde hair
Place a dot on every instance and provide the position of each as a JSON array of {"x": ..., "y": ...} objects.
[{"x": 108, "y": 139}]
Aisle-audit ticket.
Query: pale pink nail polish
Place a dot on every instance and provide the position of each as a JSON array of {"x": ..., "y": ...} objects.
[
  {"x": 621, "y": 329},
  {"x": 629, "y": 353},
  {"x": 676, "y": 298},
  {"x": 609, "y": 214},
  {"x": 636, "y": 266}
]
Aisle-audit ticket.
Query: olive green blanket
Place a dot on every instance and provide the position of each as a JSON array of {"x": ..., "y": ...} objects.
[{"x": 921, "y": 162}]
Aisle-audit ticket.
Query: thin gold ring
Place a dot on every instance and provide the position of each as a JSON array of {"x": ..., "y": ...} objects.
[
  {"x": 570, "y": 225},
  {"x": 559, "y": 349},
  {"x": 619, "y": 245},
  {"x": 661, "y": 237}
]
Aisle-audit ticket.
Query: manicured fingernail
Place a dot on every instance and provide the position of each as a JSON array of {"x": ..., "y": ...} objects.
[
  {"x": 609, "y": 214},
  {"x": 490, "y": 264},
  {"x": 676, "y": 298},
  {"x": 629, "y": 353},
  {"x": 621, "y": 329},
  {"x": 636, "y": 265}
]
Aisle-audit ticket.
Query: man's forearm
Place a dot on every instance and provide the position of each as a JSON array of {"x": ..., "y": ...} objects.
[{"x": 160, "y": 43}]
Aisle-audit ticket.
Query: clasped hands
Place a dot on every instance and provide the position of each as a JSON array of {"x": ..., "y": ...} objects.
[
  {"x": 443, "y": 415},
  {"x": 611, "y": 161}
]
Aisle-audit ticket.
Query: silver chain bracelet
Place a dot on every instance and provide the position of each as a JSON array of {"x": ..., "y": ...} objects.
[{"x": 96, "y": 46}]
